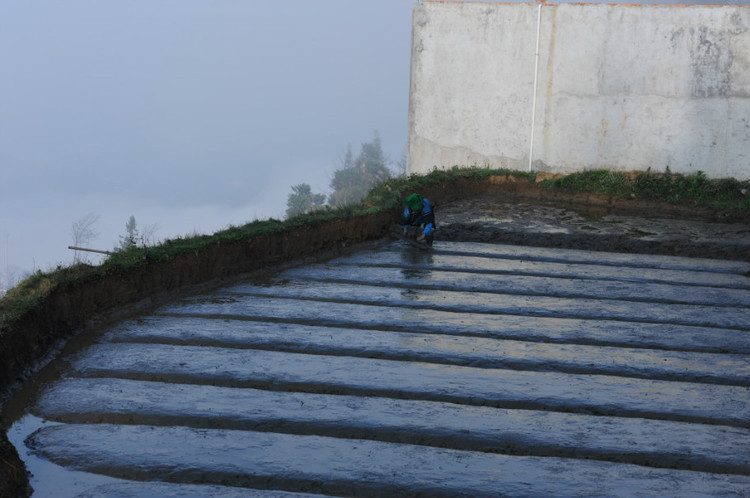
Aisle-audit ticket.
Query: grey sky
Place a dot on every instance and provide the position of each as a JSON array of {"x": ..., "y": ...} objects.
[
  {"x": 195, "y": 101},
  {"x": 189, "y": 114},
  {"x": 170, "y": 105}
]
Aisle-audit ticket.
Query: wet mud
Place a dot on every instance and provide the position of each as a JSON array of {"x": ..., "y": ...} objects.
[
  {"x": 473, "y": 369},
  {"x": 636, "y": 228}
]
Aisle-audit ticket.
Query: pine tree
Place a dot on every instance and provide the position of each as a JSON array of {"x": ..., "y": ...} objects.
[
  {"x": 351, "y": 183},
  {"x": 130, "y": 239},
  {"x": 302, "y": 200}
]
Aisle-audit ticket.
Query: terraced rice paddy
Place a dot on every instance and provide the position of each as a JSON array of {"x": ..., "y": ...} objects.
[{"x": 474, "y": 369}]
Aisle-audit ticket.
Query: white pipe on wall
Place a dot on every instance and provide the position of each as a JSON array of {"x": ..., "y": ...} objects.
[
  {"x": 536, "y": 75},
  {"x": 692, "y": 97}
]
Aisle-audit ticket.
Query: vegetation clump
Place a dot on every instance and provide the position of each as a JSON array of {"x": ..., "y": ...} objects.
[
  {"x": 728, "y": 195},
  {"x": 353, "y": 181},
  {"x": 350, "y": 183}
]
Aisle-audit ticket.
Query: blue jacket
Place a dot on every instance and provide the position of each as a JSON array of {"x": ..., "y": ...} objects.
[{"x": 424, "y": 217}]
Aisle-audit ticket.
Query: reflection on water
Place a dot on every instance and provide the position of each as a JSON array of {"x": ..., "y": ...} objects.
[
  {"x": 416, "y": 273},
  {"x": 422, "y": 263},
  {"x": 410, "y": 294},
  {"x": 48, "y": 478}
]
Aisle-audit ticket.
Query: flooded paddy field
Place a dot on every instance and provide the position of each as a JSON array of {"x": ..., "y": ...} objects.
[{"x": 473, "y": 369}]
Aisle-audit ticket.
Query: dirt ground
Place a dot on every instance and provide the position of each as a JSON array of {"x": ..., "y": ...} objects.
[{"x": 557, "y": 223}]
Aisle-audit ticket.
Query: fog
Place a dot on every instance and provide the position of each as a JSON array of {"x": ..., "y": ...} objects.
[{"x": 191, "y": 115}]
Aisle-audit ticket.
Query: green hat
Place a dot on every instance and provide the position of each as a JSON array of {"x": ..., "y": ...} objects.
[{"x": 415, "y": 202}]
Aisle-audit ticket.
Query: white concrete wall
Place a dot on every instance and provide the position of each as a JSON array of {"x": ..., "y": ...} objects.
[{"x": 621, "y": 87}]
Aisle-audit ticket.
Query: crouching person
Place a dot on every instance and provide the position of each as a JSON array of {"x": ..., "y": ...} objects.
[{"x": 419, "y": 217}]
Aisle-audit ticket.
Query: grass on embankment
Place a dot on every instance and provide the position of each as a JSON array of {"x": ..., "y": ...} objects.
[
  {"x": 728, "y": 196},
  {"x": 724, "y": 196}
]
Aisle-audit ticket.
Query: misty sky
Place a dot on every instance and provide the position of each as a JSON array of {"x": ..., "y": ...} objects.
[{"x": 190, "y": 115}]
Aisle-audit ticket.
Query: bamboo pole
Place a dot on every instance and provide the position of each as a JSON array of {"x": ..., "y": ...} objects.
[{"x": 90, "y": 250}]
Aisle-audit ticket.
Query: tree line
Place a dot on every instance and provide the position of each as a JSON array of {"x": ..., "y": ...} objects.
[{"x": 350, "y": 183}]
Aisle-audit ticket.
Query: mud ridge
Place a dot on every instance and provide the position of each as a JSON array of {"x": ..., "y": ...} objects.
[
  {"x": 739, "y": 345},
  {"x": 594, "y": 242},
  {"x": 531, "y": 273},
  {"x": 502, "y": 312},
  {"x": 520, "y": 443},
  {"x": 568, "y": 294},
  {"x": 327, "y": 374},
  {"x": 521, "y": 364}
]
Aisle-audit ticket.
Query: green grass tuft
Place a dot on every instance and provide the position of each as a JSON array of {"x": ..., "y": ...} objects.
[
  {"x": 595, "y": 181},
  {"x": 728, "y": 195}
]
